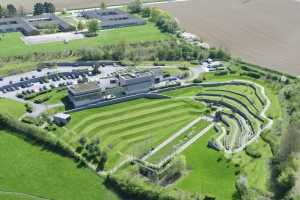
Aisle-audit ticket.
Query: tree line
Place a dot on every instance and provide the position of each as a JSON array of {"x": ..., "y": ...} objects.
[{"x": 10, "y": 10}]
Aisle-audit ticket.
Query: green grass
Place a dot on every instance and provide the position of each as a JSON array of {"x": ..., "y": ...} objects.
[
  {"x": 207, "y": 175},
  {"x": 14, "y": 46},
  {"x": 31, "y": 170},
  {"x": 132, "y": 127},
  {"x": 14, "y": 108},
  {"x": 180, "y": 140},
  {"x": 56, "y": 96},
  {"x": 185, "y": 92}
]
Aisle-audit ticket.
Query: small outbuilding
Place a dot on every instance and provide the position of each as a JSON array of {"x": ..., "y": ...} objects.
[{"x": 61, "y": 118}]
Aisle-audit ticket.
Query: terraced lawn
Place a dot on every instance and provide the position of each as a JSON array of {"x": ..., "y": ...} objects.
[
  {"x": 209, "y": 172},
  {"x": 55, "y": 96},
  {"x": 133, "y": 127},
  {"x": 31, "y": 170}
]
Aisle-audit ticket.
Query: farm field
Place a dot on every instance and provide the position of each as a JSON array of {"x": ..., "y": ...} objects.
[
  {"x": 131, "y": 128},
  {"x": 34, "y": 171},
  {"x": 14, "y": 46},
  {"x": 14, "y": 108},
  {"x": 255, "y": 35}
]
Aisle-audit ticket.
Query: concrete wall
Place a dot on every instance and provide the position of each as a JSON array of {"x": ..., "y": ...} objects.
[{"x": 119, "y": 100}]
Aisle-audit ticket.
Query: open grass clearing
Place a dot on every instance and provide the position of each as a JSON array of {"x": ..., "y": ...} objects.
[
  {"x": 31, "y": 170},
  {"x": 209, "y": 173},
  {"x": 14, "y": 46},
  {"x": 11, "y": 107}
]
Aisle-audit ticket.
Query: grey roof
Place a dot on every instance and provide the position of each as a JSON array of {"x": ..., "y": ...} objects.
[
  {"x": 30, "y": 25},
  {"x": 113, "y": 18},
  {"x": 62, "y": 116}
]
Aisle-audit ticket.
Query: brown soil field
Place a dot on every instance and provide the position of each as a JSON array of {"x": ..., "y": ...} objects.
[
  {"x": 61, "y": 4},
  {"x": 264, "y": 32}
]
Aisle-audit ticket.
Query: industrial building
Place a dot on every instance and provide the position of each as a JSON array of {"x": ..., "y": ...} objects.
[
  {"x": 113, "y": 18},
  {"x": 31, "y": 25},
  {"x": 123, "y": 84}
]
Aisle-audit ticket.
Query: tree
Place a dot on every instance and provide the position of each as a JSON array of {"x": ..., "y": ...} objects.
[
  {"x": 3, "y": 12},
  {"x": 103, "y": 5},
  {"x": 93, "y": 26},
  {"x": 80, "y": 26},
  {"x": 11, "y": 10},
  {"x": 49, "y": 7},
  {"x": 38, "y": 9},
  {"x": 135, "y": 6}
]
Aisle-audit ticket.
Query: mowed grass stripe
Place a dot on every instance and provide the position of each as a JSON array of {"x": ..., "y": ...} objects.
[
  {"x": 111, "y": 111},
  {"x": 145, "y": 128},
  {"x": 132, "y": 114},
  {"x": 127, "y": 143},
  {"x": 128, "y": 122}
]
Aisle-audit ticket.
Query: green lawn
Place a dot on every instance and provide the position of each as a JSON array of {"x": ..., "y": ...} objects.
[
  {"x": 31, "y": 170},
  {"x": 13, "y": 44},
  {"x": 14, "y": 108},
  {"x": 56, "y": 96},
  {"x": 208, "y": 175}
]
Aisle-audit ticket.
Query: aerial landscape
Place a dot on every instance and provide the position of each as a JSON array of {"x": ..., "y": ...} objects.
[{"x": 149, "y": 100}]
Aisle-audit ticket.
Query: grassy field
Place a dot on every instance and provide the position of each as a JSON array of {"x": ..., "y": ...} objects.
[
  {"x": 209, "y": 172},
  {"x": 133, "y": 127},
  {"x": 56, "y": 96},
  {"x": 30, "y": 170},
  {"x": 14, "y": 46},
  {"x": 14, "y": 108}
]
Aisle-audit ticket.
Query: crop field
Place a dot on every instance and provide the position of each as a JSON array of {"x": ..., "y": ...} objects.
[
  {"x": 248, "y": 29},
  {"x": 14, "y": 46},
  {"x": 131, "y": 128},
  {"x": 29, "y": 173}
]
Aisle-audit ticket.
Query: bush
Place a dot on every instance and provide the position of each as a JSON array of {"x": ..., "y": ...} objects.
[
  {"x": 29, "y": 108},
  {"x": 251, "y": 151}
]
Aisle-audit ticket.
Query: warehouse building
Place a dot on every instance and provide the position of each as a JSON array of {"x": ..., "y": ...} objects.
[
  {"x": 31, "y": 25},
  {"x": 113, "y": 18}
]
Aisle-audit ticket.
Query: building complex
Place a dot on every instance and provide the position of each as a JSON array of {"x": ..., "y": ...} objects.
[
  {"x": 123, "y": 84},
  {"x": 31, "y": 25},
  {"x": 113, "y": 18}
]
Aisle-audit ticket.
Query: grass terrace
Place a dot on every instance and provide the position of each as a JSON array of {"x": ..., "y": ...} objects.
[{"x": 132, "y": 127}]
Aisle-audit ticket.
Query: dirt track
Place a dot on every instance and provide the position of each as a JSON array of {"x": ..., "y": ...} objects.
[{"x": 265, "y": 32}]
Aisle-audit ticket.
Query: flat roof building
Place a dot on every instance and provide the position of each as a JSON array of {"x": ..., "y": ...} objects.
[
  {"x": 113, "y": 18},
  {"x": 61, "y": 118},
  {"x": 86, "y": 93},
  {"x": 31, "y": 25}
]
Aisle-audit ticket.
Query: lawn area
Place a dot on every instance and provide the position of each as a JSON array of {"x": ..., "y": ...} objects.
[
  {"x": 185, "y": 92},
  {"x": 29, "y": 169},
  {"x": 55, "y": 96},
  {"x": 14, "y": 108},
  {"x": 14, "y": 46},
  {"x": 132, "y": 127},
  {"x": 210, "y": 173}
]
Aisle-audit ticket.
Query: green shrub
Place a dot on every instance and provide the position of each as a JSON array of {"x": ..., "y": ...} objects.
[{"x": 252, "y": 151}]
